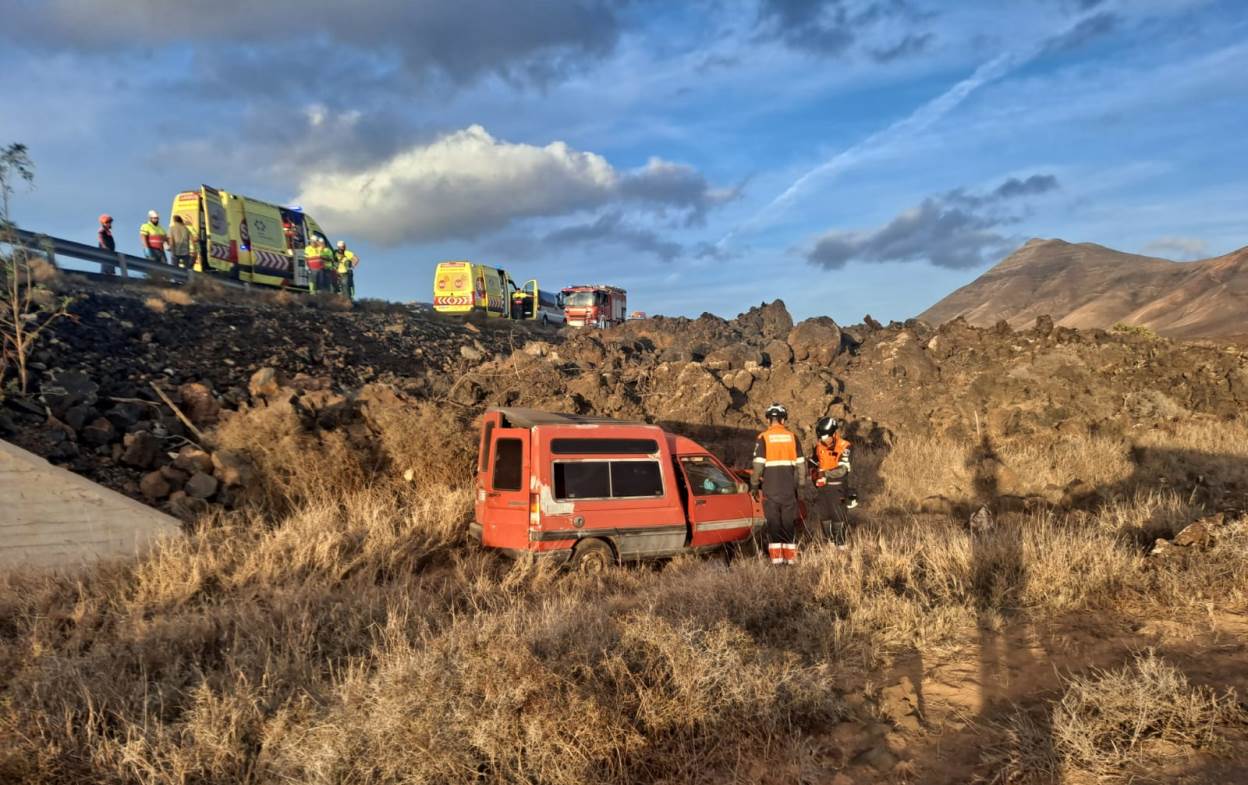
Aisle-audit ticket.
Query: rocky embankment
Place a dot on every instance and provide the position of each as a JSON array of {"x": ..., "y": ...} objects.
[
  {"x": 128, "y": 391},
  {"x": 98, "y": 397}
]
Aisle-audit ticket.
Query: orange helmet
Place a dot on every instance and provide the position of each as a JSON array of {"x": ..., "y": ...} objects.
[{"x": 106, "y": 219}]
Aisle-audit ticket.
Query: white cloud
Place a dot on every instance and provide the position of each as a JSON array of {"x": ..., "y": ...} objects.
[
  {"x": 1175, "y": 247},
  {"x": 468, "y": 183}
]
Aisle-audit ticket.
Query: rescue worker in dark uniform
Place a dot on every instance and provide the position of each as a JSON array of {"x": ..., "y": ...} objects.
[
  {"x": 778, "y": 471},
  {"x": 829, "y": 470}
]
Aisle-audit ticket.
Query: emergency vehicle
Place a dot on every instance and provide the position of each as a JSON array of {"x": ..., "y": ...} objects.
[
  {"x": 595, "y": 492},
  {"x": 461, "y": 288},
  {"x": 245, "y": 238},
  {"x": 595, "y": 305}
]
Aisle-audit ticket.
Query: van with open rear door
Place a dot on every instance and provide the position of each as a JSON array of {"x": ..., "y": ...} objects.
[{"x": 597, "y": 492}]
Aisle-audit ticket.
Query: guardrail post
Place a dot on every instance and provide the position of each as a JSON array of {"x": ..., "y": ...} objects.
[{"x": 125, "y": 269}]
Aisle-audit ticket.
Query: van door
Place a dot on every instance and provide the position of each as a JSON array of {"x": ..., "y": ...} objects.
[
  {"x": 506, "y": 489},
  {"x": 720, "y": 510}
]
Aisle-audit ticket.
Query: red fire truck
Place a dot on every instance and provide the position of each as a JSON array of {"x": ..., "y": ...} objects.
[{"x": 594, "y": 305}]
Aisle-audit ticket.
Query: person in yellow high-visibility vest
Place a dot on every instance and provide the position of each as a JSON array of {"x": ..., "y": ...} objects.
[
  {"x": 347, "y": 262},
  {"x": 152, "y": 236},
  {"x": 319, "y": 258}
]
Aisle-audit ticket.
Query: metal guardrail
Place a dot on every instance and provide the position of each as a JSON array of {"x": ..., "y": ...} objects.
[{"x": 56, "y": 246}]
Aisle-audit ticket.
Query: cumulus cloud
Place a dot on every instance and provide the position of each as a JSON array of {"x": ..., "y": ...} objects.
[
  {"x": 958, "y": 229},
  {"x": 463, "y": 40},
  {"x": 1174, "y": 247},
  {"x": 468, "y": 183}
]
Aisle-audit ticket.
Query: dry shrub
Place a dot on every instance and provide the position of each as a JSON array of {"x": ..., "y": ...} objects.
[
  {"x": 1108, "y": 721},
  {"x": 295, "y": 464},
  {"x": 424, "y": 442},
  {"x": 45, "y": 273},
  {"x": 178, "y": 296},
  {"x": 283, "y": 298},
  {"x": 202, "y": 286},
  {"x": 1112, "y": 724},
  {"x": 155, "y": 304}
]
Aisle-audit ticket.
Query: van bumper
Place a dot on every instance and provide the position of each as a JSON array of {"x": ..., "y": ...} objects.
[{"x": 558, "y": 556}]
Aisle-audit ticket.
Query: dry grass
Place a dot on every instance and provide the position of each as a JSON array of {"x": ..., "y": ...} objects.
[
  {"x": 1114, "y": 725},
  {"x": 341, "y": 631}
]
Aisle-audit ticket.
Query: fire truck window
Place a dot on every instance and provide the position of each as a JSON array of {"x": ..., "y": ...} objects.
[
  {"x": 707, "y": 479},
  {"x": 508, "y": 465},
  {"x": 631, "y": 479},
  {"x": 582, "y": 480}
]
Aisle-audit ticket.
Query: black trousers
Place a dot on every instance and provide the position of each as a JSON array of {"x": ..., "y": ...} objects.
[
  {"x": 831, "y": 511},
  {"x": 781, "y": 520}
]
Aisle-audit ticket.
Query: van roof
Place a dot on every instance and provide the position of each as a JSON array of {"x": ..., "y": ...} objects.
[{"x": 527, "y": 418}]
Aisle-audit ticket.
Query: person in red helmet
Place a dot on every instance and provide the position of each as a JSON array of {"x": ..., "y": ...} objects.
[{"x": 105, "y": 240}]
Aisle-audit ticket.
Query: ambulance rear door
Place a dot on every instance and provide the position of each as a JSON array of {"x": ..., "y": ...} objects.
[
  {"x": 294, "y": 225},
  {"x": 221, "y": 249},
  {"x": 187, "y": 206}
]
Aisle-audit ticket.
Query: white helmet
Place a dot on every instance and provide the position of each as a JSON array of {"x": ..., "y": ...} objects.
[
  {"x": 152, "y": 214},
  {"x": 342, "y": 244},
  {"x": 776, "y": 412}
]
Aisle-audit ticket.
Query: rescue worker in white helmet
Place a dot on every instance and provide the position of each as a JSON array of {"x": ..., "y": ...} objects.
[
  {"x": 347, "y": 261},
  {"x": 829, "y": 471},
  {"x": 778, "y": 472}
]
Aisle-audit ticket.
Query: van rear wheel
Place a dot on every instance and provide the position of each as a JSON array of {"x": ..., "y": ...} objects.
[{"x": 592, "y": 557}]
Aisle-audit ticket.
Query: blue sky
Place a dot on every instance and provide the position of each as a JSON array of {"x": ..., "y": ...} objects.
[{"x": 848, "y": 157}]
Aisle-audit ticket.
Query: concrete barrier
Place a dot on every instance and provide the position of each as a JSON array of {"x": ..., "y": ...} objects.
[{"x": 50, "y": 517}]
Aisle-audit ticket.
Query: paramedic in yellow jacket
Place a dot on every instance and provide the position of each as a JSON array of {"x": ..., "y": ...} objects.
[
  {"x": 152, "y": 236},
  {"x": 347, "y": 262},
  {"x": 778, "y": 470}
]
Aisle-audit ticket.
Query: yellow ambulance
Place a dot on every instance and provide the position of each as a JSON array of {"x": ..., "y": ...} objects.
[
  {"x": 461, "y": 288},
  {"x": 245, "y": 238}
]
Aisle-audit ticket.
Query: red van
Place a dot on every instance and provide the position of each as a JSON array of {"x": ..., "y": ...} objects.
[{"x": 598, "y": 491}]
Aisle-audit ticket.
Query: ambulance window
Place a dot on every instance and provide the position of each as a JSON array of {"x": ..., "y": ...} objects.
[
  {"x": 508, "y": 465},
  {"x": 630, "y": 479},
  {"x": 582, "y": 480}
]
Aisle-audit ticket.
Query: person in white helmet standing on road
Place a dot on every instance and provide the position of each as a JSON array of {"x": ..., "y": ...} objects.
[{"x": 152, "y": 236}]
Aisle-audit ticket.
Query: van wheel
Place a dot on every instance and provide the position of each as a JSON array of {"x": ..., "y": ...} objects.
[{"x": 592, "y": 557}]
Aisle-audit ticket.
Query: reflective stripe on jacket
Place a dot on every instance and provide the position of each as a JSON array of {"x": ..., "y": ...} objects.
[{"x": 153, "y": 235}]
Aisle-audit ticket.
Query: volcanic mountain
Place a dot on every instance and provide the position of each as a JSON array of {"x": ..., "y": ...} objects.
[{"x": 1087, "y": 285}]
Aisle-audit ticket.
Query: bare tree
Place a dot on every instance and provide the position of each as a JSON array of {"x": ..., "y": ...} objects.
[{"x": 24, "y": 313}]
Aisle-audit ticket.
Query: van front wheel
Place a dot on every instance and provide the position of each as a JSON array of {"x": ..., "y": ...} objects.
[{"x": 592, "y": 557}]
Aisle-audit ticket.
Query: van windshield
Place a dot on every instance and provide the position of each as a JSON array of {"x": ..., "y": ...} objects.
[{"x": 579, "y": 299}]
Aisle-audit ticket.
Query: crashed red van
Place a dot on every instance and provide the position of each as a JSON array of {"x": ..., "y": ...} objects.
[{"x": 597, "y": 492}]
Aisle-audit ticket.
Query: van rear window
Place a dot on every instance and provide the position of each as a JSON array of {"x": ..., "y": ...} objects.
[
  {"x": 608, "y": 480},
  {"x": 604, "y": 446},
  {"x": 508, "y": 465}
]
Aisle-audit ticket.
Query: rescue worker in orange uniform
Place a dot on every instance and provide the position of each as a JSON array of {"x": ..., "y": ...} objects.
[
  {"x": 829, "y": 469},
  {"x": 778, "y": 470}
]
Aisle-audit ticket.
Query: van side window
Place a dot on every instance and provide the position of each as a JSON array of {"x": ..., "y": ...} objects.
[
  {"x": 508, "y": 465},
  {"x": 636, "y": 478},
  {"x": 608, "y": 480},
  {"x": 707, "y": 479},
  {"x": 582, "y": 480}
]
